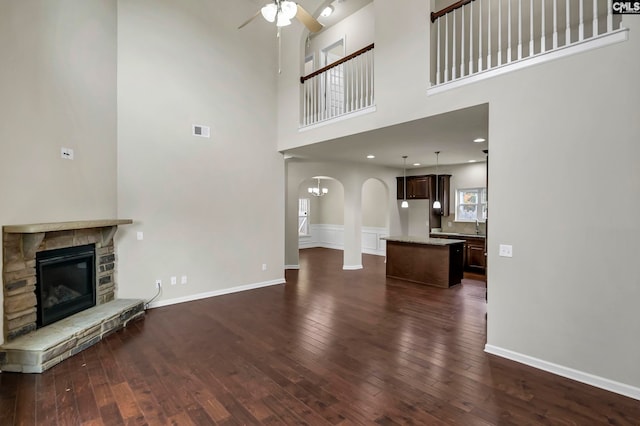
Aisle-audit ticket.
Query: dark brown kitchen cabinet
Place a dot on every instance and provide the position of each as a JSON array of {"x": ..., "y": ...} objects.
[
  {"x": 417, "y": 187},
  {"x": 475, "y": 258},
  {"x": 423, "y": 187}
]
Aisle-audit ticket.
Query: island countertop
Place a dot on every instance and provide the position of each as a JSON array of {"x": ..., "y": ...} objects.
[{"x": 422, "y": 240}]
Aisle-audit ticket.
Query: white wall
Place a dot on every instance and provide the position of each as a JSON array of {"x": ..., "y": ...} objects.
[
  {"x": 326, "y": 216},
  {"x": 58, "y": 86},
  {"x": 568, "y": 297},
  {"x": 352, "y": 177},
  {"x": 375, "y": 211},
  {"x": 211, "y": 209},
  {"x": 356, "y": 30}
]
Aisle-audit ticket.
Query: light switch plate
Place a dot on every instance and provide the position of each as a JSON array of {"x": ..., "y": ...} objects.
[{"x": 506, "y": 250}]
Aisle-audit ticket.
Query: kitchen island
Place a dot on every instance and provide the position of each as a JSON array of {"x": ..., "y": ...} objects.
[{"x": 431, "y": 261}]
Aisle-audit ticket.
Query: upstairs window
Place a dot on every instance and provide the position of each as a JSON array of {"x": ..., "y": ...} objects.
[{"x": 471, "y": 204}]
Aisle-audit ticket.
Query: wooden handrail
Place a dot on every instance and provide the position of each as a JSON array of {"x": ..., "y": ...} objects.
[
  {"x": 456, "y": 5},
  {"x": 336, "y": 63}
]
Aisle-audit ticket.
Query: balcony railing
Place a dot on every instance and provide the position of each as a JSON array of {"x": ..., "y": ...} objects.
[
  {"x": 472, "y": 36},
  {"x": 343, "y": 87}
]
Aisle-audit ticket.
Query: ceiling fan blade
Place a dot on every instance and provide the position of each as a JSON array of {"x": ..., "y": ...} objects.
[
  {"x": 309, "y": 21},
  {"x": 250, "y": 19}
]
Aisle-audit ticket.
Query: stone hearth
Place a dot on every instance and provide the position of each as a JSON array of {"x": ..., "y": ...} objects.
[
  {"x": 48, "y": 346},
  {"x": 29, "y": 350}
]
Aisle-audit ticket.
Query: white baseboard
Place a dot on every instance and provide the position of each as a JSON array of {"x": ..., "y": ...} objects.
[
  {"x": 215, "y": 293},
  {"x": 570, "y": 373},
  {"x": 351, "y": 267},
  {"x": 291, "y": 266},
  {"x": 332, "y": 237}
]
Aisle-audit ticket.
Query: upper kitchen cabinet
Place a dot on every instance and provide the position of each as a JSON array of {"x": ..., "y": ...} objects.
[
  {"x": 423, "y": 187},
  {"x": 417, "y": 187}
]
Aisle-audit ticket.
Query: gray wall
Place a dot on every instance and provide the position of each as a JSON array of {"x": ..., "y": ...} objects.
[
  {"x": 58, "y": 86},
  {"x": 211, "y": 209}
]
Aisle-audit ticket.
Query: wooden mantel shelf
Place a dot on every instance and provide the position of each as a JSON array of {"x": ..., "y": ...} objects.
[{"x": 35, "y": 228}]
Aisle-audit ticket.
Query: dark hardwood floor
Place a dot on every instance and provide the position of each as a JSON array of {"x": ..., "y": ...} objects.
[{"x": 329, "y": 347}]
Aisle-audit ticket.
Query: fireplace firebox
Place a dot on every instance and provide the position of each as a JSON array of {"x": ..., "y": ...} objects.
[{"x": 65, "y": 282}]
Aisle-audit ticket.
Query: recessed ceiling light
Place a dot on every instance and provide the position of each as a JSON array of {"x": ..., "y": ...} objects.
[
  {"x": 327, "y": 11},
  {"x": 370, "y": 156},
  {"x": 416, "y": 164},
  {"x": 472, "y": 161},
  {"x": 478, "y": 140}
]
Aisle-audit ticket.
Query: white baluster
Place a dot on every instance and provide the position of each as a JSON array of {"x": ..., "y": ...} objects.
[
  {"x": 367, "y": 57},
  {"x": 555, "y": 24},
  {"x": 509, "y": 32},
  {"x": 594, "y": 31},
  {"x": 446, "y": 48},
  {"x": 581, "y": 25},
  {"x": 519, "y": 29},
  {"x": 368, "y": 79},
  {"x": 373, "y": 87},
  {"x": 361, "y": 67},
  {"x": 489, "y": 36},
  {"x": 438, "y": 53},
  {"x": 609, "y": 17},
  {"x": 314, "y": 98},
  {"x": 453, "y": 47},
  {"x": 499, "y": 32},
  {"x": 356, "y": 65},
  {"x": 567, "y": 31},
  {"x": 531, "y": 28},
  {"x": 470, "y": 38},
  {"x": 480, "y": 36},
  {"x": 365, "y": 61},
  {"x": 543, "y": 38},
  {"x": 462, "y": 57},
  {"x": 305, "y": 105}
]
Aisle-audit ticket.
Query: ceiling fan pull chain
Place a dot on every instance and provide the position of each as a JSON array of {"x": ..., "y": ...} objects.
[{"x": 279, "y": 36}]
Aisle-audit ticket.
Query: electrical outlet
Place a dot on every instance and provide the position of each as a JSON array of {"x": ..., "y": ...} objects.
[
  {"x": 139, "y": 235},
  {"x": 264, "y": 266},
  {"x": 66, "y": 153},
  {"x": 174, "y": 281},
  {"x": 183, "y": 279},
  {"x": 158, "y": 283}
]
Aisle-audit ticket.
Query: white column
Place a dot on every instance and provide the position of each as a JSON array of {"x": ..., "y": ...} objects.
[{"x": 352, "y": 223}]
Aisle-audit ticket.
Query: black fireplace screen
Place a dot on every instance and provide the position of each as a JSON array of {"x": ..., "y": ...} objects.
[{"x": 66, "y": 282}]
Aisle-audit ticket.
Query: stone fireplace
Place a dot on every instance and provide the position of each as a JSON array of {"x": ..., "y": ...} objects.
[{"x": 32, "y": 345}]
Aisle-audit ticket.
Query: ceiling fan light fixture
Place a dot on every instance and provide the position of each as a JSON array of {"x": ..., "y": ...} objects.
[
  {"x": 327, "y": 11},
  {"x": 282, "y": 21},
  {"x": 289, "y": 9},
  {"x": 269, "y": 12}
]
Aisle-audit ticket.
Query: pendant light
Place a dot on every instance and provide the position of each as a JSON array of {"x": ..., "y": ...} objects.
[
  {"x": 436, "y": 203},
  {"x": 405, "y": 203}
]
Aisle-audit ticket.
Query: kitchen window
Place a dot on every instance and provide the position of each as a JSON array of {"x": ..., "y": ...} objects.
[{"x": 471, "y": 204}]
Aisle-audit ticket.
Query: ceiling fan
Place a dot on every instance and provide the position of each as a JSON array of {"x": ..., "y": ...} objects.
[{"x": 282, "y": 12}]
